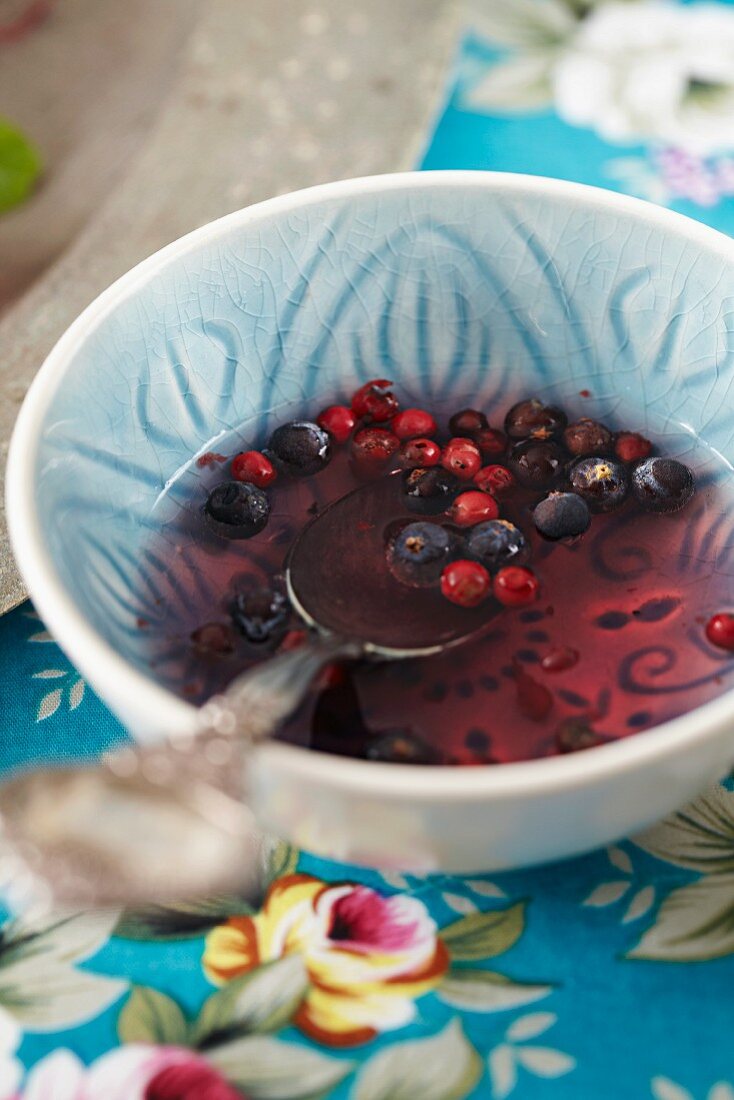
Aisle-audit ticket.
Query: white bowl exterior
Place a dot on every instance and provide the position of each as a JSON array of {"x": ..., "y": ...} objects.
[{"x": 501, "y": 282}]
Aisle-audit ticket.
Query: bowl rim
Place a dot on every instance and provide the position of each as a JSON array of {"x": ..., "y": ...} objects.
[{"x": 106, "y": 670}]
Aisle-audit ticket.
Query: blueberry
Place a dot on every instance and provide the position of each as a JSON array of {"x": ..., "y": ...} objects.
[
  {"x": 588, "y": 437},
  {"x": 533, "y": 420},
  {"x": 259, "y": 613},
  {"x": 662, "y": 484},
  {"x": 418, "y": 554},
  {"x": 237, "y": 509},
  {"x": 401, "y": 747},
  {"x": 562, "y": 516},
  {"x": 300, "y": 448},
  {"x": 537, "y": 464},
  {"x": 429, "y": 490},
  {"x": 575, "y": 735},
  {"x": 601, "y": 482},
  {"x": 496, "y": 544}
]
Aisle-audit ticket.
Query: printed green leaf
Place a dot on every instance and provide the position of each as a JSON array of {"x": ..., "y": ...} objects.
[
  {"x": 151, "y": 1017},
  {"x": 502, "y": 1070},
  {"x": 694, "y": 923},
  {"x": 538, "y": 24},
  {"x": 487, "y": 991},
  {"x": 530, "y": 1026},
  {"x": 266, "y": 1068},
  {"x": 444, "y": 1067},
  {"x": 263, "y": 1000},
  {"x": 522, "y": 83},
  {"x": 665, "y": 1089},
  {"x": 279, "y": 859},
  {"x": 484, "y": 935},
  {"x": 186, "y": 920},
  {"x": 545, "y": 1061},
  {"x": 39, "y": 983},
  {"x": 700, "y": 837},
  {"x": 20, "y": 166}
]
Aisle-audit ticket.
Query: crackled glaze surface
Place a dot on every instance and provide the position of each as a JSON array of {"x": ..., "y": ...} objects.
[{"x": 477, "y": 291}]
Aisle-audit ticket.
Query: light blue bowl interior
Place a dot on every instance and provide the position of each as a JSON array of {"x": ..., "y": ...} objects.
[{"x": 479, "y": 292}]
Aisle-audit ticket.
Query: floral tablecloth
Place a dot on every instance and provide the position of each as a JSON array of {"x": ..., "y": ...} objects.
[{"x": 608, "y": 977}]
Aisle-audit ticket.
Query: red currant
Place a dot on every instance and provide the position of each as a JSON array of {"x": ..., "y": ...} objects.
[
  {"x": 413, "y": 422},
  {"x": 631, "y": 446},
  {"x": 254, "y": 467},
  {"x": 375, "y": 401},
  {"x": 473, "y": 507},
  {"x": 213, "y": 638},
  {"x": 293, "y": 639},
  {"x": 494, "y": 479},
  {"x": 516, "y": 586},
  {"x": 416, "y": 453},
  {"x": 467, "y": 422},
  {"x": 720, "y": 631},
  {"x": 372, "y": 448},
  {"x": 560, "y": 659},
  {"x": 491, "y": 442},
  {"x": 338, "y": 421},
  {"x": 466, "y": 583},
  {"x": 462, "y": 458}
]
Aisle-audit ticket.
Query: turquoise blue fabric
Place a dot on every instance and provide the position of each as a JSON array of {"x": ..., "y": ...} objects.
[{"x": 616, "y": 970}]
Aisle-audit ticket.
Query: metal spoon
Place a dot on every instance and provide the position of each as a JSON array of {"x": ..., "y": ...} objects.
[{"x": 154, "y": 824}]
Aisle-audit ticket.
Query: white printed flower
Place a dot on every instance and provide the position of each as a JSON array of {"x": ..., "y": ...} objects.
[{"x": 651, "y": 71}]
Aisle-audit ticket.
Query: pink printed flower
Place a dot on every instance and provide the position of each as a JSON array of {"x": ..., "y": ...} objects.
[
  {"x": 367, "y": 956},
  {"x": 134, "y": 1072}
]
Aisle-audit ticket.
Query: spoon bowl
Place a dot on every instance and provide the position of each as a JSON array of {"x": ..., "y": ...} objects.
[{"x": 338, "y": 580}]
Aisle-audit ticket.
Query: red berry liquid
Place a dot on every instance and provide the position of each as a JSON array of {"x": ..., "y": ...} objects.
[{"x": 615, "y": 643}]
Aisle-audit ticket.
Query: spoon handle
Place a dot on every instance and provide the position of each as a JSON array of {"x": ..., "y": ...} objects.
[{"x": 257, "y": 702}]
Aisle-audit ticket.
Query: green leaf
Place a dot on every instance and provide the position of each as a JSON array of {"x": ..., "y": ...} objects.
[
  {"x": 502, "y": 1070},
  {"x": 693, "y": 924},
  {"x": 40, "y": 984},
  {"x": 269, "y": 1069},
  {"x": 545, "y": 1061},
  {"x": 186, "y": 920},
  {"x": 151, "y": 1017},
  {"x": 263, "y": 1000},
  {"x": 279, "y": 859},
  {"x": 524, "y": 23},
  {"x": 484, "y": 935},
  {"x": 487, "y": 991},
  {"x": 522, "y": 83},
  {"x": 444, "y": 1067},
  {"x": 20, "y": 166},
  {"x": 700, "y": 837}
]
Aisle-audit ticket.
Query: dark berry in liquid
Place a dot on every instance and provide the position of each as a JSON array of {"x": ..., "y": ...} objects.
[{"x": 629, "y": 597}]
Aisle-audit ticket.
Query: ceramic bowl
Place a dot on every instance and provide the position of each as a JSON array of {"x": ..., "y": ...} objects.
[{"x": 488, "y": 286}]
